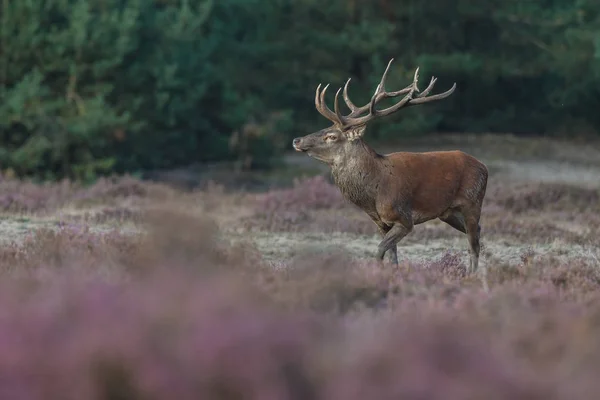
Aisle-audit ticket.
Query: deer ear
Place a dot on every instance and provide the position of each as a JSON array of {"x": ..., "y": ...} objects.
[{"x": 355, "y": 133}]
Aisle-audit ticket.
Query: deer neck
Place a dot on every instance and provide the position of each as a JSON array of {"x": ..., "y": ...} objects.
[{"x": 356, "y": 172}]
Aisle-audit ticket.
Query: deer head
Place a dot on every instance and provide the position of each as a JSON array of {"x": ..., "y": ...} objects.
[{"x": 347, "y": 130}]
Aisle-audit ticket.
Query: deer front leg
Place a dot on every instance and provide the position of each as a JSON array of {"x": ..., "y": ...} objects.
[
  {"x": 383, "y": 229},
  {"x": 393, "y": 251},
  {"x": 390, "y": 241}
]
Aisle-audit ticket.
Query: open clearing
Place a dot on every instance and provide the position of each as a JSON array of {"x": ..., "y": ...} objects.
[{"x": 556, "y": 228}]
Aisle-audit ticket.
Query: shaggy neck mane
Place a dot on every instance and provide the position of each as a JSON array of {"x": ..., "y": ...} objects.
[{"x": 356, "y": 172}]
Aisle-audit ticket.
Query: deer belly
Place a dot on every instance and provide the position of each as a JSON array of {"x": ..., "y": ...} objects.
[
  {"x": 421, "y": 215},
  {"x": 419, "y": 218}
]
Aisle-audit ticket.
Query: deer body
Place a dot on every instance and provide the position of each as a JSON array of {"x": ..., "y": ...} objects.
[{"x": 399, "y": 190}]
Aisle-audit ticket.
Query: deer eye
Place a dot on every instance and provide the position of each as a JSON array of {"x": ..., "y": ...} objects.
[{"x": 331, "y": 136}]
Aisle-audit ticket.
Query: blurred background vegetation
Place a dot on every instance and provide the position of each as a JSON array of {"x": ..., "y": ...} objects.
[{"x": 91, "y": 87}]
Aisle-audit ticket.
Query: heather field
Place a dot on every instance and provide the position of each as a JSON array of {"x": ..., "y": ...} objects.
[{"x": 135, "y": 290}]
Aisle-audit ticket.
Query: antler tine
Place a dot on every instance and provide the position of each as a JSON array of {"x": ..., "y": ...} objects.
[
  {"x": 429, "y": 88},
  {"x": 416, "y": 79},
  {"x": 336, "y": 107},
  {"x": 322, "y": 107},
  {"x": 356, "y": 111},
  {"x": 384, "y": 76},
  {"x": 322, "y": 104},
  {"x": 411, "y": 89},
  {"x": 401, "y": 91},
  {"x": 373, "y": 102},
  {"x": 379, "y": 95},
  {"x": 380, "y": 92},
  {"x": 317, "y": 105},
  {"x": 440, "y": 96},
  {"x": 322, "y": 95},
  {"x": 354, "y": 118},
  {"x": 347, "y": 100}
]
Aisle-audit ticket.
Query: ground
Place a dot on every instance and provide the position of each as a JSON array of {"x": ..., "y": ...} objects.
[{"x": 541, "y": 200}]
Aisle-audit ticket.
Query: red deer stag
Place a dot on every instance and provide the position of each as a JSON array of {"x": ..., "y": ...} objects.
[{"x": 398, "y": 190}]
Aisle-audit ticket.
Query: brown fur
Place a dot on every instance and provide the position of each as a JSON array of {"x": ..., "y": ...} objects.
[{"x": 400, "y": 190}]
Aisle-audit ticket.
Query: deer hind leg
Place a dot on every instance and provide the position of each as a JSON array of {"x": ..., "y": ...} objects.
[
  {"x": 468, "y": 224},
  {"x": 457, "y": 221},
  {"x": 473, "y": 233}
]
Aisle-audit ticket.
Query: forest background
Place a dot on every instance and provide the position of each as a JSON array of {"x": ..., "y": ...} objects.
[{"x": 95, "y": 87}]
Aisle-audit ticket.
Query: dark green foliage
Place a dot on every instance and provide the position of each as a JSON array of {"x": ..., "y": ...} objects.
[
  {"x": 90, "y": 87},
  {"x": 58, "y": 72}
]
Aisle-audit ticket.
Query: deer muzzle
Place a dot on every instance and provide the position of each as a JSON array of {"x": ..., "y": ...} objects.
[{"x": 297, "y": 144}]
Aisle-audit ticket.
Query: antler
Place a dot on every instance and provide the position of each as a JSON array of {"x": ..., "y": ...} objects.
[{"x": 354, "y": 118}]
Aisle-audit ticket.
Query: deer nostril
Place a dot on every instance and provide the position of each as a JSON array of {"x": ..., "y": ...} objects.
[{"x": 296, "y": 141}]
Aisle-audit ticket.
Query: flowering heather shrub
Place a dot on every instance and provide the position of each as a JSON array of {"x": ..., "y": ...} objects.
[
  {"x": 173, "y": 238},
  {"x": 107, "y": 214},
  {"x": 169, "y": 336},
  {"x": 177, "y": 238},
  {"x": 450, "y": 264},
  {"x": 307, "y": 194},
  {"x": 206, "y": 319},
  {"x": 346, "y": 220},
  {"x": 286, "y": 221},
  {"x": 68, "y": 245},
  {"x": 331, "y": 284},
  {"x": 121, "y": 187},
  {"x": 24, "y": 196},
  {"x": 334, "y": 284},
  {"x": 544, "y": 196},
  {"x": 311, "y": 205},
  {"x": 526, "y": 230},
  {"x": 174, "y": 334},
  {"x": 577, "y": 277},
  {"x": 435, "y": 357}
]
